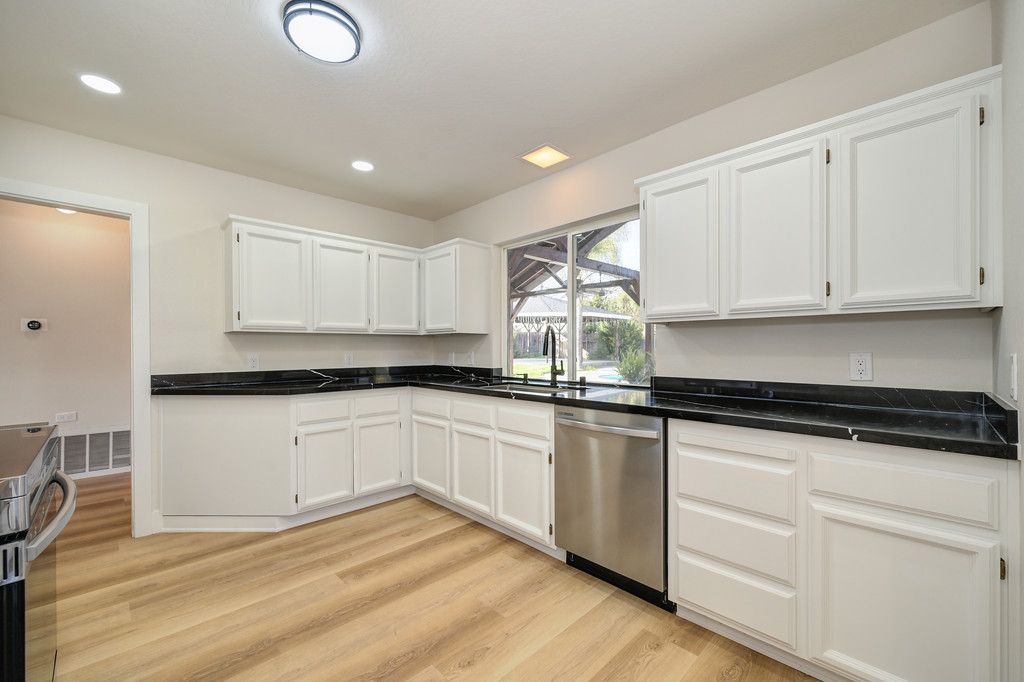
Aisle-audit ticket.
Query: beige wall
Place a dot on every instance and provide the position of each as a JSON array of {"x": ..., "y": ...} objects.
[
  {"x": 188, "y": 204},
  {"x": 73, "y": 271},
  {"x": 1008, "y": 49},
  {"x": 955, "y": 347}
]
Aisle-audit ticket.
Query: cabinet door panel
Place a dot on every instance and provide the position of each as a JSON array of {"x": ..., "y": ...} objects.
[
  {"x": 274, "y": 279},
  {"x": 892, "y": 600},
  {"x": 776, "y": 229},
  {"x": 522, "y": 486},
  {"x": 908, "y": 206},
  {"x": 430, "y": 438},
  {"x": 396, "y": 291},
  {"x": 680, "y": 233},
  {"x": 378, "y": 443},
  {"x": 325, "y": 464},
  {"x": 440, "y": 297},
  {"x": 473, "y": 469},
  {"x": 341, "y": 272}
]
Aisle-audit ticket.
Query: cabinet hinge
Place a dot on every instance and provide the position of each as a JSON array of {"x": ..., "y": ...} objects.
[
  {"x": 296, "y": 440},
  {"x": 981, "y": 275},
  {"x": 296, "y": 498},
  {"x": 237, "y": 238},
  {"x": 550, "y": 458},
  {"x": 981, "y": 116},
  {"x": 1002, "y": 569},
  {"x": 828, "y": 156},
  {"x": 643, "y": 204},
  {"x": 238, "y": 315},
  {"x": 828, "y": 288},
  {"x": 551, "y": 529}
]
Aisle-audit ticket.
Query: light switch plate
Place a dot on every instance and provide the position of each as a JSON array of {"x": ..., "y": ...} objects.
[
  {"x": 1013, "y": 376},
  {"x": 861, "y": 368},
  {"x": 65, "y": 417}
]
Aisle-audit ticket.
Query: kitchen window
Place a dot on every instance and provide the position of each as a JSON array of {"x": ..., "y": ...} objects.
[{"x": 585, "y": 284}]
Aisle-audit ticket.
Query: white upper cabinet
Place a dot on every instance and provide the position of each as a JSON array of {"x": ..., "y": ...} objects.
[
  {"x": 908, "y": 205},
  {"x": 680, "y": 233},
  {"x": 273, "y": 279},
  {"x": 341, "y": 295},
  {"x": 776, "y": 229},
  {"x": 896, "y": 206},
  {"x": 283, "y": 278},
  {"x": 396, "y": 291},
  {"x": 456, "y": 279}
]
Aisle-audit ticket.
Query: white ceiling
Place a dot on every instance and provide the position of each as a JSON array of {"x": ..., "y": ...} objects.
[{"x": 445, "y": 95}]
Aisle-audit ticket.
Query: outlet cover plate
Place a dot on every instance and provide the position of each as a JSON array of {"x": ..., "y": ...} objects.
[{"x": 861, "y": 367}]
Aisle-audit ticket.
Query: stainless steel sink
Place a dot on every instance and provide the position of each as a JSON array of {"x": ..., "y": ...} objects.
[{"x": 528, "y": 388}]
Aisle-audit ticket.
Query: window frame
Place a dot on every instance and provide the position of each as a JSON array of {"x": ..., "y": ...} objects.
[{"x": 570, "y": 231}]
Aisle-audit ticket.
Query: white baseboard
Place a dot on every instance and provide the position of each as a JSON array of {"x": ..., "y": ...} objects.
[
  {"x": 785, "y": 657},
  {"x": 101, "y": 472},
  {"x": 553, "y": 552},
  {"x": 274, "y": 524}
]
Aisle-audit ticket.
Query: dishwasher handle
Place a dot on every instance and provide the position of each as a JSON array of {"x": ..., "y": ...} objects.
[{"x": 614, "y": 430}]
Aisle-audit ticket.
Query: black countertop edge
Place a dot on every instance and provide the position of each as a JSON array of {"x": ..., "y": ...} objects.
[{"x": 950, "y": 421}]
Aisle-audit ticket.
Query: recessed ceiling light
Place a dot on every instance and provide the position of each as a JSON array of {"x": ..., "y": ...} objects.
[
  {"x": 100, "y": 83},
  {"x": 322, "y": 30},
  {"x": 545, "y": 156},
  {"x": 67, "y": 211},
  {"x": 364, "y": 166}
]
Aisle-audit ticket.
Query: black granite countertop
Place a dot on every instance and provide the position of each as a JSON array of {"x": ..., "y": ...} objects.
[{"x": 954, "y": 421}]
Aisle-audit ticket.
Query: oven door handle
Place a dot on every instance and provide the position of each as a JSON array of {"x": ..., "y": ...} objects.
[
  {"x": 614, "y": 430},
  {"x": 47, "y": 535}
]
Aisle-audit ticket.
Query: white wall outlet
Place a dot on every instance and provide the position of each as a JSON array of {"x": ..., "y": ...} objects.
[
  {"x": 65, "y": 417},
  {"x": 861, "y": 367},
  {"x": 350, "y": 359},
  {"x": 252, "y": 361},
  {"x": 471, "y": 359},
  {"x": 33, "y": 324},
  {"x": 1013, "y": 376},
  {"x": 451, "y": 358}
]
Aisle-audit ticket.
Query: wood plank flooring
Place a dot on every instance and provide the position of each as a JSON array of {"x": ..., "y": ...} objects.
[{"x": 406, "y": 590}]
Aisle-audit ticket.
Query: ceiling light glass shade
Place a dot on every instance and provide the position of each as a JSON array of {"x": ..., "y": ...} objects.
[
  {"x": 364, "y": 166},
  {"x": 67, "y": 211},
  {"x": 322, "y": 30},
  {"x": 100, "y": 83},
  {"x": 545, "y": 156}
]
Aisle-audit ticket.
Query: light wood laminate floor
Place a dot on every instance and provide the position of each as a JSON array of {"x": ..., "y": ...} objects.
[{"x": 404, "y": 590}]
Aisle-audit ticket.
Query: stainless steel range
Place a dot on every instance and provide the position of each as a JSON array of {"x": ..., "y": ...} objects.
[
  {"x": 36, "y": 502},
  {"x": 610, "y": 498}
]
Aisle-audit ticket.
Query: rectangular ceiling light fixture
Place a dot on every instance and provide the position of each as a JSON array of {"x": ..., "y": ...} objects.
[{"x": 545, "y": 156}]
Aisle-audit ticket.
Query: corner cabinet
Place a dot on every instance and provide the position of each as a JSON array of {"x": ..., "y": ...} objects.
[
  {"x": 282, "y": 278},
  {"x": 868, "y": 561},
  {"x": 892, "y": 207}
]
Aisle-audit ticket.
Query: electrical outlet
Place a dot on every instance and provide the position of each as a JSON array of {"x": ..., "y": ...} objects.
[
  {"x": 350, "y": 360},
  {"x": 861, "y": 367},
  {"x": 1013, "y": 376},
  {"x": 65, "y": 417},
  {"x": 451, "y": 358},
  {"x": 471, "y": 359},
  {"x": 252, "y": 361}
]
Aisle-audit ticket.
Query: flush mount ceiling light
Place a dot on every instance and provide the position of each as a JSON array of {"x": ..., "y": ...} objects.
[
  {"x": 322, "y": 30},
  {"x": 100, "y": 84},
  {"x": 364, "y": 166},
  {"x": 545, "y": 156},
  {"x": 67, "y": 211}
]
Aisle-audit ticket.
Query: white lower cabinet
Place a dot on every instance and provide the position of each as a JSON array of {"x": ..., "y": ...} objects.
[
  {"x": 871, "y": 562},
  {"x": 324, "y": 464},
  {"x": 378, "y": 447},
  {"x": 431, "y": 437},
  {"x": 522, "y": 484},
  {"x": 498, "y": 457},
  {"x": 473, "y": 468}
]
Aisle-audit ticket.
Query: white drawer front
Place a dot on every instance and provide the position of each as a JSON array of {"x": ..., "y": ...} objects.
[
  {"x": 761, "y": 489},
  {"x": 754, "y": 445},
  {"x": 738, "y": 540},
  {"x": 754, "y": 605},
  {"x": 963, "y": 497},
  {"x": 316, "y": 411},
  {"x": 478, "y": 413},
  {"x": 432, "y": 404},
  {"x": 527, "y": 422},
  {"x": 377, "y": 404}
]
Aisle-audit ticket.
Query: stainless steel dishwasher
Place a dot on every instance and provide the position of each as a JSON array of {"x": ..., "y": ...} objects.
[{"x": 610, "y": 498}]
